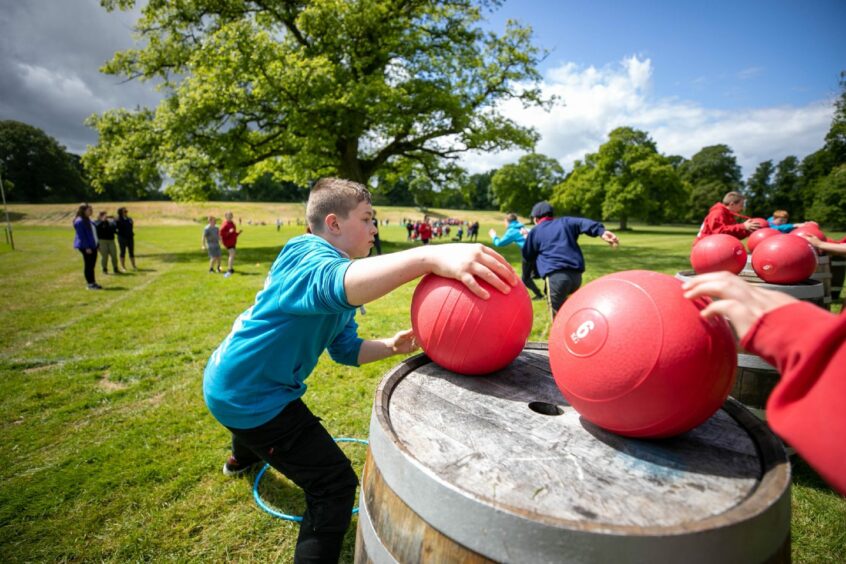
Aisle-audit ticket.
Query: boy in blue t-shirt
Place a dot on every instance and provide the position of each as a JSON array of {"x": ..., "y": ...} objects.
[{"x": 253, "y": 382}]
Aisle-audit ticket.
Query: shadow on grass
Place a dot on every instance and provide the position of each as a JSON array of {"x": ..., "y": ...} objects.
[{"x": 805, "y": 476}]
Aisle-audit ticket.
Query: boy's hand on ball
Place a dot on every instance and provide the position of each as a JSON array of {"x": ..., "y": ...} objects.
[
  {"x": 738, "y": 301},
  {"x": 404, "y": 342},
  {"x": 464, "y": 262}
]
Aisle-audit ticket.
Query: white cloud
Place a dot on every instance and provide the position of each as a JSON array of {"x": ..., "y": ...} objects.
[{"x": 597, "y": 100}]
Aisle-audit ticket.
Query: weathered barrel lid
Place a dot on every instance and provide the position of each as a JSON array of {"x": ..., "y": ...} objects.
[
  {"x": 473, "y": 454},
  {"x": 806, "y": 290}
]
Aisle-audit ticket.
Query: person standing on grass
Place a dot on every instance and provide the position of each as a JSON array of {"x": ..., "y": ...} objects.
[
  {"x": 514, "y": 234},
  {"x": 106, "y": 230},
  {"x": 554, "y": 249},
  {"x": 126, "y": 237},
  {"x": 211, "y": 244},
  {"x": 723, "y": 216},
  {"x": 425, "y": 231},
  {"x": 85, "y": 241},
  {"x": 229, "y": 235},
  {"x": 254, "y": 381}
]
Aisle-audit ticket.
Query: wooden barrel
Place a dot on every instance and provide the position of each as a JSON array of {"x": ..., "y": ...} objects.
[
  {"x": 500, "y": 468},
  {"x": 838, "y": 273},
  {"x": 822, "y": 275},
  {"x": 807, "y": 291},
  {"x": 755, "y": 380}
]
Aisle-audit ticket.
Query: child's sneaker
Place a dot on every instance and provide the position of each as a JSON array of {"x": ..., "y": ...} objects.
[
  {"x": 232, "y": 468},
  {"x": 228, "y": 274}
]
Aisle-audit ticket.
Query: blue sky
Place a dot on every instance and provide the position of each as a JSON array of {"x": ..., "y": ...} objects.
[
  {"x": 758, "y": 76},
  {"x": 723, "y": 54}
]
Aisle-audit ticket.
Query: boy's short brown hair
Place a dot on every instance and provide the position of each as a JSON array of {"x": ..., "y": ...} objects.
[
  {"x": 511, "y": 216},
  {"x": 333, "y": 195},
  {"x": 733, "y": 198},
  {"x": 781, "y": 213}
]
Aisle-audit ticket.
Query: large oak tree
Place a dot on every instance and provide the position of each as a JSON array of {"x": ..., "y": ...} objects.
[{"x": 302, "y": 89}]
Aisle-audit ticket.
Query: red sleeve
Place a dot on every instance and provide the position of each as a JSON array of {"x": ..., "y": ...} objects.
[
  {"x": 721, "y": 221},
  {"x": 808, "y": 406}
]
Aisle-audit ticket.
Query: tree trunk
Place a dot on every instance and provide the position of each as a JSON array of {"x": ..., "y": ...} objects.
[
  {"x": 624, "y": 222},
  {"x": 350, "y": 167}
]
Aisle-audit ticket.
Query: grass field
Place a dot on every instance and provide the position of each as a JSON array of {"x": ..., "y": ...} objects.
[{"x": 109, "y": 451}]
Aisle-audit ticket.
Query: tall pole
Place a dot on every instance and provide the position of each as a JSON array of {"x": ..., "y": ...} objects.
[{"x": 9, "y": 238}]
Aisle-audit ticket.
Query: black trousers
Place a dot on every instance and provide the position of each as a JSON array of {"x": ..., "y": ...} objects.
[
  {"x": 296, "y": 444},
  {"x": 527, "y": 270},
  {"x": 126, "y": 243},
  {"x": 559, "y": 285},
  {"x": 89, "y": 261}
]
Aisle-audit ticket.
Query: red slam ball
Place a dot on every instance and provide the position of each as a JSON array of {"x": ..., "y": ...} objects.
[
  {"x": 633, "y": 356},
  {"x": 718, "y": 252},
  {"x": 757, "y": 236},
  {"x": 784, "y": 260},
  {"x": 466, "y": 334},
  {"x": 762, "y": 223},
  {"x": 810, "y": 229}
]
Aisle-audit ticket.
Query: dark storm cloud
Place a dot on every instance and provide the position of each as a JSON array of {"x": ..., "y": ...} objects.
[{"x": 50, "y": 55}]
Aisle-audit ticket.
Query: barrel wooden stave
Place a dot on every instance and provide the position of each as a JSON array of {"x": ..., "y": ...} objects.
[
  {"x": 838, "y": 273},
  {"x": 490, "y": 524},
  {"x": 811, "y": 291},
  {"x": 754, "y": 382}
]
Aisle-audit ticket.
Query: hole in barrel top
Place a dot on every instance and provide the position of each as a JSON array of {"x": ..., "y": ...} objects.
[{"x": 545, "y": 408}]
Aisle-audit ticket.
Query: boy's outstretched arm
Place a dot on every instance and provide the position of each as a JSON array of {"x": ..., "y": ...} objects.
[
  {"x": 377, "y": 349},
  {"x": 371, "y": 278}
]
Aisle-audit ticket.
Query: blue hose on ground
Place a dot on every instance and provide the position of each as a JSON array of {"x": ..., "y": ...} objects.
[{"x": 287, "y": 517}]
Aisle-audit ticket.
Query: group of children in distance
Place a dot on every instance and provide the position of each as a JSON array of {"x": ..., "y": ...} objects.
[
  {"x": 91, "y": 237},
  {"x": 254, "y": 381},
  {"x": 212, "y": 237}
]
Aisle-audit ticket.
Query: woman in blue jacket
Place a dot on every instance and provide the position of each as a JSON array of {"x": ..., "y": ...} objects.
[
  {"x": 514, "y": 234},
  {"x": 85, "y": 240}
]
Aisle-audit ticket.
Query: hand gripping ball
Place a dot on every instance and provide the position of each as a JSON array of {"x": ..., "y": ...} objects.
[
  {"x": 757, "y": 236},
  {"x": 762, "y": 223},
  {"x": 633, "y": 356},
  {"x": 718, "y": 252},
  {"x": 466, "y": 334},
  {"x": 784, "y": 260},
  {"x": 810, "y": 229}
]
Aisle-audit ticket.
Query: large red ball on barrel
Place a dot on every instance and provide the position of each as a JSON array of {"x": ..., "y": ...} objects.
[
  {"x": 718, "y": 252},
  {"x": 757, "y": 236},
  {"x": 633, "y": 356},
  {"x": 810, "y": 229},
  {"x": 784, "y": 260},
  {"x": 466, "y": 334}
]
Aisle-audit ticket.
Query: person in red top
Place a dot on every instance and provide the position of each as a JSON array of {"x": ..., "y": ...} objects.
[
  {"x": 808, "y": 347},
  {"x": 722, "y": 218},
  {"x": 425, "y": 231},
  {"x": 229, "y": 236}
]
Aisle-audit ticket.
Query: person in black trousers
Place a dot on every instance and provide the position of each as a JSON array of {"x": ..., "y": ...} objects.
[
  {"x": 126, "y": 238},
  {"x": 85, "y": 241}
]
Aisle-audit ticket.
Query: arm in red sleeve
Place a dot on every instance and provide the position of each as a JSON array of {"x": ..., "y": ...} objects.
[{"x": 808, "y": 347}]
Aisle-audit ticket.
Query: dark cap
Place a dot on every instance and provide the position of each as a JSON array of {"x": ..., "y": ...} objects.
[{"x": 542, "y": 209}]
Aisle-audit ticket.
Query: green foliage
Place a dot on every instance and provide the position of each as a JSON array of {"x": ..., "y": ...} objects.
[
  {"x": 477, "y": 191},
  {"x": 627, "y": 178},
  {"x": 710, "y": 173},
  {"x": 786, "y": 189},
  {"x": 299, "y": 90},
  {"x": 829, "y": 207},
  {"x": 518, "y": 187},
  {"x": 36, "y": 168},
  {"x": 759, "y": 190}
]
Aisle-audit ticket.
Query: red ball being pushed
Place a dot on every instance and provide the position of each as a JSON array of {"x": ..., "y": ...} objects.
[
  {"x": 810, "y": 229},
  {"x": 718, "y": 252},
  {"x": 762, "y": 223},
  {"x": 633, "y": 356},
  {"x": 466, "y": 334},
  {"x": 757, "y": 236},
  {"x": 784, "y": 260}
]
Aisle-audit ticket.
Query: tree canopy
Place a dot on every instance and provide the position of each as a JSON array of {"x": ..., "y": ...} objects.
[
  {"x": 626, "y": 178},
  {"x": 521, "y": 185},
  {"x": 303, "y": 89},
  {"x": 710, "y": 174},
  {"x": 36, "y": 168}
]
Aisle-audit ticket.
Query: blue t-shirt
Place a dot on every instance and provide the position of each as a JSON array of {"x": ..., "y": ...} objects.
[
  {"x": 261, "y": 366},
  {"x": 553, "y": 244},
  {"x": 512, "y": 235}
]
